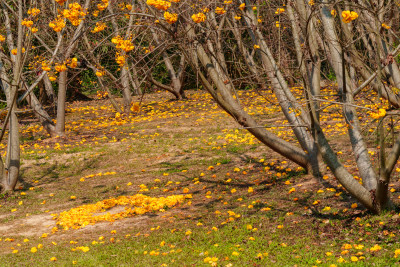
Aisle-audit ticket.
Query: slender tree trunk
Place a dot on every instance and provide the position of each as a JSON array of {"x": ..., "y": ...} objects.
[{"x": 61, "y": 101}]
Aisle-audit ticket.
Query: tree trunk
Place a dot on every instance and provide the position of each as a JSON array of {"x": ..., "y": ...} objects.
[{"x": 61, "y": 101}]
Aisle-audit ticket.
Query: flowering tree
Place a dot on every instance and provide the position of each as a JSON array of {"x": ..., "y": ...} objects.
[{"x": 338, "y": 37}]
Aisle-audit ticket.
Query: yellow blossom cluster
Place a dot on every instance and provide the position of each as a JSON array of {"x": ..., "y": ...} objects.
[
  {"x": 120, "y": 59},
  {"x": 220, "y": 10},
  {"x": 15, "y": 51},
  {"x": 125, "y": 45},
  {"x": 73, "y": 63},
  {"x": 124, "y": 6},
  {"x": 27, "y": 23},
  {"x": 101, "y": 95},
  {"x": 52, "y": 78},
  {"x": 2, "y": 38},
  {"x": 349, "y": 16},
  {"x": 34, "y": 12},
  {"x": 279, "y": 11},
  {"x": 74, "y": 14},
  {"x": 84, "y": 249},
  {"x": 58, "y": 24},
  {"x": 136, "y": 205},
  {"x": 199, "y": 17},
  {"x": 103, "y": 5},
  {"x": 171, "y": 18},
  {"x": 159, "y": 4},
  {"x": 99, "y": 73},
  {"x": 60, "y": 67},
  {"x": 376, "y": 115},
  {"x": 100, "y": 26},
  {"x": 45, "y": 66}
]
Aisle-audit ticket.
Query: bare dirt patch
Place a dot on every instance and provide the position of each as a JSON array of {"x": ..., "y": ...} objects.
[{"x": 33, "y": 225}]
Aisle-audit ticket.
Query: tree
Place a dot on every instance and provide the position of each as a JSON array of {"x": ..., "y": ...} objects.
[{"x": 320, "y": 37}]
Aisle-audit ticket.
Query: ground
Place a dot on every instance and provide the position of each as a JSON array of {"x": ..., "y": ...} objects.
[{"x": 232, "y": 201}]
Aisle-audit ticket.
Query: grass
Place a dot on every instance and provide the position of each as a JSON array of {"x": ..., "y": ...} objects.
[{"x": 244, "y": 211}]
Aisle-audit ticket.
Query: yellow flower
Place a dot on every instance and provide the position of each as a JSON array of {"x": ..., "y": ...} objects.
[
  {"x": 354, "y": 258},
  {"x": 100, "y": 26},
  {"x": 99, "y": 73},
  {"x": 34, "y": 250},
  {"x": 375, "y": 248},
  {"x": 74, "y": 63},
  {"x": 74, "y": 14},
  {"x": 84, "y": 249},
  {"x": 376, "y": 115},
  {"x": 256, "y": 46},
  {"x": 27, "y": 23},
  {"x": 53, "y": 259},
  {"x": 279, "y": 11},
  {"x": 2, "y": 38},
  {"x": 171, "y": 18},
  {"x": 333, "y": 12},
  {"x": 60, "y": 67},
  {"x": 220, "y": 10},
  {"x": 135, "y": 205},
  {"x": 326, "y": 209},
  {"x": 387, "y": 27},
  {"x": 34, "y": 12},
  {"x": 159, "y": 4},
  {"x": 58, "y": 24},
  {"x": 199, "y": 17},
  {"x": 349, "y": 16},
  {"x": 340, "y": 260}
]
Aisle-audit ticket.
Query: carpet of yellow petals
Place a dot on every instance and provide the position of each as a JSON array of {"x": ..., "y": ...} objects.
[{"x": 136, "y": 205}]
